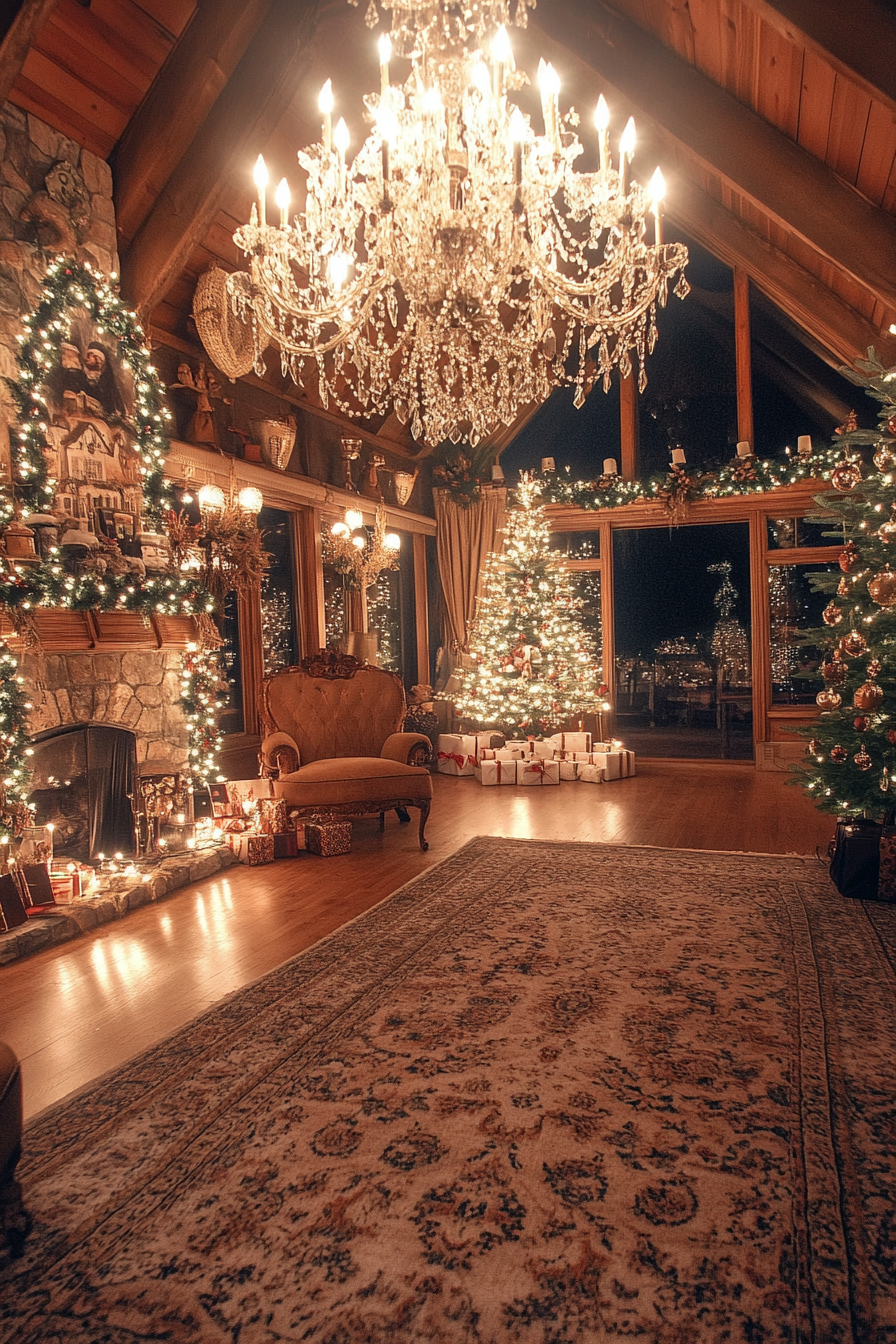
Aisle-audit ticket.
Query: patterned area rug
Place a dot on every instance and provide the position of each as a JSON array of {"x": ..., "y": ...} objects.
[{"x": 547, "y": 1093}]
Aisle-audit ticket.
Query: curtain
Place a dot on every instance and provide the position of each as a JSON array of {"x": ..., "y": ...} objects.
[{"x": 464, "y": 538}]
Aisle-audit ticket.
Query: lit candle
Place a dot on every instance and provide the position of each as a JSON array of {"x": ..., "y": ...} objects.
[
  {"x": 501, "y": 56},
  {"x": 325, "y": 103},
  {"x": 547, "y": 464},
  {"x": 657, "y": 193},
  {"x": 744, "y": 449},
  {"x": 385, "y": 46},
  {"x": 260, "y": 174},
  {"x": 602, "y": 122},
  {"x": 282, "y": 197},
  {"x": 626, "y": 153},
  {"x": 610, "y": 466},
  {"x": 678, "y": 458},
  {"x": 549, "y": 84},
  {"x": 340, "y": 140},
  {"x": 518, "y": 133},
  {"x": 804, "y": 445}
]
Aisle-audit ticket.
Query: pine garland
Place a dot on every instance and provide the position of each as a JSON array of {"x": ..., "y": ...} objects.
[
  {"x": 15, "y": 775},
  {"x": 202, "y": 700}
]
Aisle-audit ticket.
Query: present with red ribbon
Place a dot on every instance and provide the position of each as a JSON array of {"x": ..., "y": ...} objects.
[
  {"x": 590, "y": 774},
  {"x": 617, "y": 763},
  {"x": 456, "y": 754},
  {"x": 492, "y": 772},
  {"x": 536, "y": 773}
]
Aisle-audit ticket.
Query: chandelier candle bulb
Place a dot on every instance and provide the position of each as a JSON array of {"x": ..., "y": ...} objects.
[
  {"x": 501, "y": 56},
  {"x": 325, "y": 104},
  {"x": 657, "y": 194},
  {"x": 260, "y": 174},
  {"x": 282, "y": 198},
  {"x": 626, "y": 153},
  {"x": 385, "y": 49},
  {"x": 602, "y": 122}
]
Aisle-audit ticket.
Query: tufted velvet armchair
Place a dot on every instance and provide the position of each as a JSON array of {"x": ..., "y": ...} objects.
[{"x": 334, "y": 744}]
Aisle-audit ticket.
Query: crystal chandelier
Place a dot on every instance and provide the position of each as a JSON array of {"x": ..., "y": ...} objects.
[{"x": 458, "y": 268}]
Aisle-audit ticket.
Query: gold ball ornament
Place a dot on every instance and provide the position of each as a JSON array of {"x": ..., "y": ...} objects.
[
  {"x": 849, "y": 558},
  {"x": 846, "y": 475},
  {"x": 885, "y": 458},
  {"x": 832, "y": 614},
  {"x": 828, "y": 700},
  {"x": 854, "y": 644},
  {"x": 891, "y": 424},
  {"x": 838, "y": 754},
  {"x": 862, "y": 759},
  {"x": 874, "y": 668},
  {"x": 868, "y": 696},
  {"x": 882, "y": 587},
  {"x": 843, "y": 588},
  {"x": 887, "y": 531},
  {"x": 834, "y": 672}
]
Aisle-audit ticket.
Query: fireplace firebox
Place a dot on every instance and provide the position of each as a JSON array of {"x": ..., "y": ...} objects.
[{"x": 82, "y": 783}]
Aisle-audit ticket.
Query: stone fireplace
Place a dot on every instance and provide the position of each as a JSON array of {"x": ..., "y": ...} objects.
[{"x": 105, "y": 691}]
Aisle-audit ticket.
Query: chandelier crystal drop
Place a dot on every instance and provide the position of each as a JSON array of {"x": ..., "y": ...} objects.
[{"x": 458, "y": 268}]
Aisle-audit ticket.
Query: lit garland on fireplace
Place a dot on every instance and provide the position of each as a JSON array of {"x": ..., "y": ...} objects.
[{"x": 202, "y": 700}]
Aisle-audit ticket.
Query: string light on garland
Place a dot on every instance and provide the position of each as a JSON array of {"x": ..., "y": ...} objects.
[
  {"x": 15, "y": 774},
  {"x": 202, "y": 699}
]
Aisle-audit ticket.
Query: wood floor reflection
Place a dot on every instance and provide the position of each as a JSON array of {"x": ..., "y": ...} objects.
[{"x": 73, "y": 1013}]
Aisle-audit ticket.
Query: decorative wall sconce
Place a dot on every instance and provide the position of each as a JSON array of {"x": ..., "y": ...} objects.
[
  {"x": 404, "y": 482},
  {"x": 349, "y": 452}
]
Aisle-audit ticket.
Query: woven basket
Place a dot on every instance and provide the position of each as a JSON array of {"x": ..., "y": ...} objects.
[{"x": 227, "y": 340}]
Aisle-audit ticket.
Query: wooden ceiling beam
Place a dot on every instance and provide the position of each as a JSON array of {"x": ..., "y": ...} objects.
[
  {"x": 817, "y": 310},
  {"x": 239, "y": 123},
  {"x": 859, "y": 42},
  {"x": 17, "y": 40},
  {"x": 177, "y": 103},
  {"x": 708, "y": 130}
]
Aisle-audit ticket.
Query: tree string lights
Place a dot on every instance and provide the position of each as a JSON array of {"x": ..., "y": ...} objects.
[
  {"x": 533, "y": 660},
  {"x": 851, "y": 752},
  {"x": 202, "y": 700},
  {"x": 15, "y": 775}
]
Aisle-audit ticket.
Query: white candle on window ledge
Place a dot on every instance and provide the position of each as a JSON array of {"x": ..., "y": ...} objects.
[
  {"x": 744, "y": 449},
  {"x": 678, "y": 458},
  {"x": 497, "y": 474},
  {"x": 610, "y": 466},
  {"x": 547, "y": 464},
  {"x": 804, "y": 445}
]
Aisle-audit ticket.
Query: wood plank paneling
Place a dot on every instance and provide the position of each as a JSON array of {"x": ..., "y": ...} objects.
[
  {"x": 849, "y": 119},
  {"x": 816, "y": 101},
  {"x": 878, "y": 153},
  {"x": 779, "y": 81}
]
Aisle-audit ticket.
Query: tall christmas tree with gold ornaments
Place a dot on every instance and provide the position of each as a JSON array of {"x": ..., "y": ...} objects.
[
  {"x": 851, "y": 753},
  {"x": 533, "y": 661}
]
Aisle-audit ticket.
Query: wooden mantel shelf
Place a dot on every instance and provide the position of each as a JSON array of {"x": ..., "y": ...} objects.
[{"x": 59, "y": 630}]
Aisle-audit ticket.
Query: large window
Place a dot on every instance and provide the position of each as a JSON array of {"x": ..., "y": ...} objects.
[
  {"x": 279, "y": 635},
  {"x": 794, "y": 608}
]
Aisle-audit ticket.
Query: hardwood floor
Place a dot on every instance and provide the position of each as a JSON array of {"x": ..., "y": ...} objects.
[{"x": 75, "y": 1012}]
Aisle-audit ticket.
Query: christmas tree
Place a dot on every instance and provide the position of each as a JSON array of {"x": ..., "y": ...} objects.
[
  {"x": 730, "y": 642},
  {"x": 534, "y": 664},
  {"x": 851, "y": 753}
]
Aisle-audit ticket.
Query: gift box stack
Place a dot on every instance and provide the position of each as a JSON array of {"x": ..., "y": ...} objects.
[
  {"x": 564, "y": 756},
  {"x": 255, "y": 823},
  {"x": 459, "y": 753}
]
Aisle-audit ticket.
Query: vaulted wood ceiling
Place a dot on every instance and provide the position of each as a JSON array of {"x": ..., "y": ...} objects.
[{"x": 775, "y": 125}]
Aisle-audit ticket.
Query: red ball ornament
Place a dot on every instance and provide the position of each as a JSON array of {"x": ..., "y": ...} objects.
[
  {"x": 603, "y": 688},
  {"x": 860, "y": 723},
  {"x": 891, "y": 736},
  {"x": 838, "y": 755}
]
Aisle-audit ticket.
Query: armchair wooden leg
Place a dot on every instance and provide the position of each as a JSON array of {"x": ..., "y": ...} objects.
[
  {"x": 424, "y": 814},
  {"x": 403, "y": 815}
]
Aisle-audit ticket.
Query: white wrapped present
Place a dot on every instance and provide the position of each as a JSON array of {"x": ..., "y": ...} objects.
[
  {"x": 536, "y": 773},
  {"x": 591, "y": 774},
  {"x": 618, "y": 764},
  {"x": 511, "y": 754},
  {"x": 569, "y": 770},
  {"x": 543, "y": 750},
  {"x": 491, "y": 773},
  {"x": 456, "y": 753},
  {"x": 587, "y": 757},
  {"x": 571, "y": 741}
]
